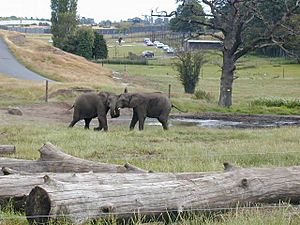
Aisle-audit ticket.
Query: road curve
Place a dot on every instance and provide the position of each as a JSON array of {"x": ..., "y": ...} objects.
[{"x": 9, "y": 65}]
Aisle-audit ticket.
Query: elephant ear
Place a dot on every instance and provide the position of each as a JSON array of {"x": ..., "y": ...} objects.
[
  {"x": 136, "y": 100},
  {"x": 104, "y": 96}
]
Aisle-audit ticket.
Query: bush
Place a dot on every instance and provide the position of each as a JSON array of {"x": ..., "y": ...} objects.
[
  {"x": 188, "y": 66},
  {"x": 199, "y": 94}
]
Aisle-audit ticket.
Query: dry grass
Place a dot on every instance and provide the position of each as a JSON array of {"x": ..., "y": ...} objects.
[{"x": 55, "y": 63}]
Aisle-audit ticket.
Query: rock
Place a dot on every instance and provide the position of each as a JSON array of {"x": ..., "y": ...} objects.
[{"x": 15, "y": 111}]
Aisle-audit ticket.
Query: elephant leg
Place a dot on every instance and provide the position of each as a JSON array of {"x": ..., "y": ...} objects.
[
  {"x": 103, "y": 122},
  {"x": 98, "y": 128},
  {"x": 164, "y": 123},
  {"x": 87, "y": 123},
  {"x": 133, "y": 120},
  {"x": 141, "y": 122},
  {"x": 74, "y": 121}
]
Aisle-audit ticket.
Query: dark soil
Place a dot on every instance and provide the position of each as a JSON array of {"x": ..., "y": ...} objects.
[{"x": 54, "y": 112}]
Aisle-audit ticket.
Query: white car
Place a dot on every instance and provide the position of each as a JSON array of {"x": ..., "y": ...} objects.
[
  {"x": 160, "y": 45},
  {"x": 149, "y": 43},
  {"x": 170, "y": 50},
  {"x": 165, "y": 47},
  {"x": 146, "y": 40}
]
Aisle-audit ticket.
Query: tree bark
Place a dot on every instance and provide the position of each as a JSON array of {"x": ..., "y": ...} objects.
[
  {"x": 54, "y": 160},
  {"x": 7, "y": 149},
  {"x": 17, "y": 187},
  {"x": 215, "y": 191},
  {"x": 225, "y": 98}
]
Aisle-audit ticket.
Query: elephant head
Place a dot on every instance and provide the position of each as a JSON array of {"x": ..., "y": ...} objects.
[
  {"x": 129, "y": 100},
  {"x": 111, "y": 100}
]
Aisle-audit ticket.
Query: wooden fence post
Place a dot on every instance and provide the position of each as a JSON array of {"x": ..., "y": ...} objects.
[{"x": 46, "y": 94}]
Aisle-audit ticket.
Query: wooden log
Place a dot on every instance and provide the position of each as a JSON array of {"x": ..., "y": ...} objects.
[
  {"x": 52, "y": 159},
  {"x": 18, "y": 186},
  {"x": 7, "y": 149},
  {"x": 216, "y": 191}
]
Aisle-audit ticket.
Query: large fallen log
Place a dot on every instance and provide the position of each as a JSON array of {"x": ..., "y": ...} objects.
[
  {"x": 52, "y": 159},
  {"x": 215, "y": 191},
  {"x": 7, "y": 149},
  {"x": 17, "y": 187}
]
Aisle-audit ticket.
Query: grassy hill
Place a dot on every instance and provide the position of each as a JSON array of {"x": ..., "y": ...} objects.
[{"x": 54, "y": 63}]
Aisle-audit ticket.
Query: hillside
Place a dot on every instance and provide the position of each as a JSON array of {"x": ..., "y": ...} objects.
[{"x": 54, "y": 63}]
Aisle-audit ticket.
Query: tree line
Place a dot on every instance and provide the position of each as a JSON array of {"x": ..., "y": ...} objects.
[{"x": 68, "y": 36}]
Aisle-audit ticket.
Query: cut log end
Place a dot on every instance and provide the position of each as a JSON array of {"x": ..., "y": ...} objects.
[{"x": 38, "y": 206}]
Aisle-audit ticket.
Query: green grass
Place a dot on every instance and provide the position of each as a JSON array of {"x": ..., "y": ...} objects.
[
  {"x": 179, "y": 149},
  {"x": 258, "y": 77}
]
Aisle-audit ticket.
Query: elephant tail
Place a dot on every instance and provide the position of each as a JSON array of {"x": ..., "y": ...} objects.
[
  {"x": 71, "y": 107},
  {"x": 173, "y": 106}
]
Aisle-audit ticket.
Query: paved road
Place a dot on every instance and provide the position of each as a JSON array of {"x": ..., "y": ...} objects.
[{"x": 10, "y": 66}]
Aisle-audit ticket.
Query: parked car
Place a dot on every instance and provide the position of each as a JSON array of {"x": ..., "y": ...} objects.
[
  {"x": 165, "y": 47},
  {"x": 148, "y": 54},
  {"x": 160, "y": 45},
  {"x": 149, "y": 43},
  {"x": 146, "y": 40},
  {"x": 170, "y": 50}
]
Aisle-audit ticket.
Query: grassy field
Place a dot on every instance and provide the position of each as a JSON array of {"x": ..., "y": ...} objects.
[{"x": 180, "y": 149}]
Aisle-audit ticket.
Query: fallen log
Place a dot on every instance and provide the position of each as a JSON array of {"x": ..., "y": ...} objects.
[
  {"x": 17, "y": 187},
  {"x": 52, "y": 159},
  {"x": 216, "y": 191},
  {"x": 7, "y": 149}
]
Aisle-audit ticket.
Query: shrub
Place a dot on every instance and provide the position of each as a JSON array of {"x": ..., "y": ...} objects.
[
  {"x": 188, "y": 65},
  {"x": 199, "y": 94}
]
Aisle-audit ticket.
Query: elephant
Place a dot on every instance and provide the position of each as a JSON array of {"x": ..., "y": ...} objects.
[
  {"x": 91, "y": 105},
  {"x": 153, "y": 105}
]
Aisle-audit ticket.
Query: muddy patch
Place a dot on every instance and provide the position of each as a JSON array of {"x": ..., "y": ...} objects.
[{"x": 234, "y": 120}]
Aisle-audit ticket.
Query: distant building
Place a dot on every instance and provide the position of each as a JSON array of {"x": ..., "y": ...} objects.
[
  {"x": 84, "y": 20},
  {"x": 135, "y": 20}
]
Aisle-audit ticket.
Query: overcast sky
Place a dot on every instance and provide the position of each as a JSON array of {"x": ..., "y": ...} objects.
[{"x": 113, "y": 10}]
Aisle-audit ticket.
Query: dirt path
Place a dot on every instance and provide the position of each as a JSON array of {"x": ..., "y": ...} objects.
[
  {"x": 10, "y": 66},
  {"x": 60, "y": 113}
]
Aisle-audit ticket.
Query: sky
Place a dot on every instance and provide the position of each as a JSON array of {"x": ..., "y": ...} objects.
[{"x": 114, "y": 10}]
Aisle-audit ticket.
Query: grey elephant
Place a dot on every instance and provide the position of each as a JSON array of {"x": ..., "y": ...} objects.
[
  {"x": 91, "y": 105},
  {"x": 153, "y": 105}
]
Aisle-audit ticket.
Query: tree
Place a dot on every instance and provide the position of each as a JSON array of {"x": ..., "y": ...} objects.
[
  {"x": 64, "y": 22},
  {"x": 186, "y": 25},
  {"x": 85, "y": 42},
  {"x": 189, "y": 66},
  {"x": 230, "y": 20},
  {"x": 100, "y": 48}
]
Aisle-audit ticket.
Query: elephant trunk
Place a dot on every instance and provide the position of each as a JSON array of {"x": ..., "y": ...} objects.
[{"x": 114, "y": 111}]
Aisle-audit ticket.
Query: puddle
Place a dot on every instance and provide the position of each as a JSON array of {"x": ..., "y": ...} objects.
[
  {"x": 229, "y": 124},
  {"x": 248, "y": 122}
]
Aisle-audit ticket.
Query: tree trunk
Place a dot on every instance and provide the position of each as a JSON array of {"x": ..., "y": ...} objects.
[
  {"x": 7, "y": 149},
  {"x": 225, "y": 98},
  {"x": 54, "y": 160},
  {"x": 17, "y": 187},
  {"x": 215, "y": 191}
]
